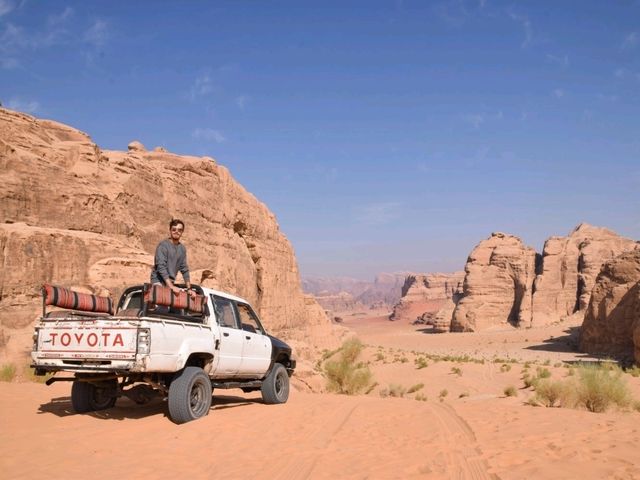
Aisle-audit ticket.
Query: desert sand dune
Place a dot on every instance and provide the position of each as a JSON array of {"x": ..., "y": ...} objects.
[{"x": 480, "y": 434}]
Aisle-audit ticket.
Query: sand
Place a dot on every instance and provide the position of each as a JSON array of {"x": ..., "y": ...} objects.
[{"x": 475, "y": 432}]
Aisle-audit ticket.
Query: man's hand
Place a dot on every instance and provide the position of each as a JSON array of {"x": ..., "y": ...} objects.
[
  {"x": 192, "y": 294},
  {"x": 175, "y": 289}
]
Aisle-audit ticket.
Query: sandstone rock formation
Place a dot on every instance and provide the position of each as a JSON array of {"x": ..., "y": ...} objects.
[
  {"x": 426, "y": 294},
  {"x": 497, "y": 289},
  {"x": 570, "y": 266},
  {"x": 612, "y": 320},
  {"x": 75, "y": 215}
]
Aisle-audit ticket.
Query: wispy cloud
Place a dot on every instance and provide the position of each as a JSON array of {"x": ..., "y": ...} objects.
[
  {"x": 97, "y": 34},
  {"x": 619, "y": 72},
  {"x": 630, "y": 40},
  {"x": 60, "y": 18},
  {"x": 607, "y": 98},
  {"x": 27, "y": 106},
  {"x": 376, "y": 214},
  {"x": 208, "y": 134},
  {"x": 558, "y": 93},
  {"x": 527, "y": 27},
  {"x": 242, "y": 101},
  {"x": 5, "y": 7},
  {"x": 476, "y": 120},
  {"x": 562, "y": 61},
  {"x": 202, "y": 85}
]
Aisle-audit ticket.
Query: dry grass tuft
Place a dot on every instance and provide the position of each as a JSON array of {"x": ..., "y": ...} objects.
[
  {"x": 7, "y": 372},
  {"x": 344, "y": 375}
]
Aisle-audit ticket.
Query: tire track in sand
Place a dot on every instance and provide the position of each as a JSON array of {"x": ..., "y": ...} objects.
[
  {"x": 315, "y": 440},
  {"x": 462, "y": 455}
]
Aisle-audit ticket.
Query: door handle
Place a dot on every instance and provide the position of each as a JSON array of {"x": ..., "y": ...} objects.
[
  {"x": 226, "y": 334},
  {"x": 248, "y": 337}
]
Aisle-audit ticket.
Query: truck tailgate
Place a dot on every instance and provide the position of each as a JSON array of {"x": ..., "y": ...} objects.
[{"x": 87, "y": 341}]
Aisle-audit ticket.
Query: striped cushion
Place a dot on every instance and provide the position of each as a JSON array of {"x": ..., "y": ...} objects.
[
  {"x": 65, "y": 298},
  {"x": 161, "y": 295}
]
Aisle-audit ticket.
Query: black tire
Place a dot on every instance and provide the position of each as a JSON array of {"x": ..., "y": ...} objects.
[
  {"x": 275, "y": 388},
  {"x": 89, "y": 397},
  {"x": 189, "y": 395}
]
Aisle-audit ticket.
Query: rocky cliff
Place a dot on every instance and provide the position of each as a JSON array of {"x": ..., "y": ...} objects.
[
  {"x": 79, "y": 216},
  {"x": 426, "y": 293},
  {"x": 498, "y": 284},
  {"x": 570, "y": 266},
  {"x": 612, "y": 320}
]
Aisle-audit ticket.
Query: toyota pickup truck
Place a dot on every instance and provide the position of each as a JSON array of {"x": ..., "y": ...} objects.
[{"x": 158, "y": 342}]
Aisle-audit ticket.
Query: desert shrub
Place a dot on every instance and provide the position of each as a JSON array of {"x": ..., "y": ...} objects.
[
  {"x": 543, "y": 372},
  {"x": 463, "y": 394},
  {"x": 380, "y": 356},
  {"x": 636, "y": 405},
  {"x": 599, "y": 388},
  {"x": 510, "y": 391},
  {"x": 421, "y": 362},
  {"x": 393, "y": 390},
  {"x": 7, "y": 372},
  {"x": 456, "y": 371},
  {"x": 415, "y": 388},
  {"x": 633, "y": 371},
  {"x": 343, "y": 374},
  {"x": 443, "y": 394},
  {"x": 557, "y": 364},
  {"x": 505, "y": 367},
  {"x": 420, "y": 397},
  {"x": 547, "y": 362},
  {"x": 530, "y": 381},
  {"x": 552, "y": 393}
]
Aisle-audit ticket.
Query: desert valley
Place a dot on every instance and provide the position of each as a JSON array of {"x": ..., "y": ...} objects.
[{"x": 522, "y": 365}]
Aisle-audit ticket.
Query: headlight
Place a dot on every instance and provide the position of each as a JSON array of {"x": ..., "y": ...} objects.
[{"x": 144, "y": 340}]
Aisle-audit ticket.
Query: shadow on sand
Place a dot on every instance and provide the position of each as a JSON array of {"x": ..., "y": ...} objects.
[
  {"x": 127, "y": 409},
  {"x": 566, "y": 343}
]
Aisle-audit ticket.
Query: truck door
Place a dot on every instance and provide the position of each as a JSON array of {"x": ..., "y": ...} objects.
[
  {"x": 256, "y": 352},
  {"x": 231, "y": 338}
]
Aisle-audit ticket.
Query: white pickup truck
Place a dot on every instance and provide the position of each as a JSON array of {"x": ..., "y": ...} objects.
[{"x": 158, "y": 343}]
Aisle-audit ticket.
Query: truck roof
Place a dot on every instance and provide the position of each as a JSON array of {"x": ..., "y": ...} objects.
[{"x": 208, "y": 291}]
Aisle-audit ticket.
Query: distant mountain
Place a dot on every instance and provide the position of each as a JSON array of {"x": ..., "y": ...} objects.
[{"x": 345, "y": 293}]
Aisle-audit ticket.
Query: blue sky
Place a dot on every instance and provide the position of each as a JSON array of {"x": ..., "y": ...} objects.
[{"x": 385, "y": 136}]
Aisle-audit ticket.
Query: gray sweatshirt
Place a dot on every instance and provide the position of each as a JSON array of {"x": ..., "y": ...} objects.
[{"x": 170, "y": 259}]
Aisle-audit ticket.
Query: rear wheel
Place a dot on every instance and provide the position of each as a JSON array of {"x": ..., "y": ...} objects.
[
  {"x": 89, "y": 397},
  {"x": 189, "y": 395},
  {"x": 275, "y": 388}
]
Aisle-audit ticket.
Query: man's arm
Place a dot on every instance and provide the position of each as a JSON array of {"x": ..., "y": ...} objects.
[
  {"x": 162, "y": 256},
  {"x": 184, "y": 269}
]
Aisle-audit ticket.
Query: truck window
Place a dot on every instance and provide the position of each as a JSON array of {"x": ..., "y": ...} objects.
[
  {"x": 248, "y": 319},
  {"x": 224, "y": 312}
]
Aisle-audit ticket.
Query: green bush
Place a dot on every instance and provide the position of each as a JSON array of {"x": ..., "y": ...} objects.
[
  {"x": 420, "y": 397},
  {"x": 554, "y": 393},
  {"x": 599, "y": 388},
  {"x": 443, "y": 393},
  {"x": 415, "y": 388},
  {"x": 421, "y": 362},
  {"x": 456, "y": 371},
  {"x": 505, "y": 367},
  {"x": 510, "y": 391},
  {"x": 343, "y": 374},
  {"x": 7, "y": 372}
]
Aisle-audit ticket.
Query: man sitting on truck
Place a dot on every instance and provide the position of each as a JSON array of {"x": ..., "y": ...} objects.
[{"x": 171, "y": 258}]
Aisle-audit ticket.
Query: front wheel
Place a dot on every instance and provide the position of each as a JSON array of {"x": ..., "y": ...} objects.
[
  {"x": 89, "y": 397},
  {"x": 275, "y": 388},
  {"x": 189, "y": 395}
]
